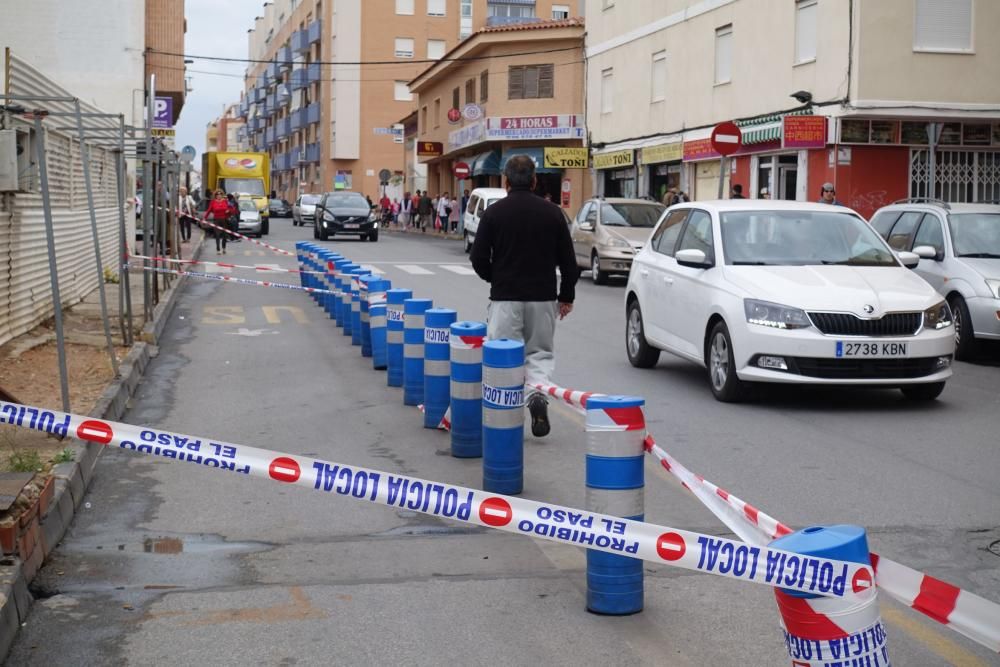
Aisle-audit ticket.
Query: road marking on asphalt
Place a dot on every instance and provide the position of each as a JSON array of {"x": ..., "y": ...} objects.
[
  {"x": 459, "y": 269},
  {"x": 947, "y": 650},
  {"x": 223, "y": 315},
  {"x": 215, "y": 268},
  {"x": 272, "y": 314},
  {"x": 414, "y": 269},
  {"x": 251, "y": 333}
]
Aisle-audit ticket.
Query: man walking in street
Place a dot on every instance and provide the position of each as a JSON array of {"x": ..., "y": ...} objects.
[
  {"x": 520, "y": 242},
  {"x": 828, "y": 195},
  {"x": 424, "y": 210},
  {"x": 187, "y": 212}
]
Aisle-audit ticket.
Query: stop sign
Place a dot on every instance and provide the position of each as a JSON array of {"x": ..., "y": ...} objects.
[
  {"x": 726, "y": 138},
  {"x": 461, "y": 170}
]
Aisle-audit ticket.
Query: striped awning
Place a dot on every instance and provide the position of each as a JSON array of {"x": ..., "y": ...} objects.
[{"x": 762, "y": 129}]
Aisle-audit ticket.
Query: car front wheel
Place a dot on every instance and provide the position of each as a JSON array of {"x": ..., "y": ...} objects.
[
  {"x": 468, "y": 243},
  {"x": 922, "y": 392},
  {"x": 373, "y": 237},
  {"x": 721, "y": 363},
  {"x": 640, "y": 353},
  {"x": 599, "y": 277},
  {"x": 965, "y": 341}
]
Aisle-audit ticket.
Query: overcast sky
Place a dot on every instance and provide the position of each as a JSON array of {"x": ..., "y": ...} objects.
[{"x": 214, "y": 28}]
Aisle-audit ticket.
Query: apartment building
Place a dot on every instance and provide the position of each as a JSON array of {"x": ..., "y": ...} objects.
[
  {"x": 165, "y": 28},
  {"x": 512, "y": 88},
  {"x": 837, "y": 91},
  {"x": 326, "y": 97},
  {"x": 227, "y": 132}
]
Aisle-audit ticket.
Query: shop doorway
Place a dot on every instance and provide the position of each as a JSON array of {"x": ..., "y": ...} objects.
[
  {"x": 549, "y": 184},
  {"x": 662, "y": 177},
  {"x": 619, "y": 183},
  {"x": 779, "y": 174}
]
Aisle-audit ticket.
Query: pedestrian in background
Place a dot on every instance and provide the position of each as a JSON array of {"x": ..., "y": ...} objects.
[
  {"x": 233, "y": 220},
  {"x": 465, "y": 201},
  {"x": 443, "y": 211},
  {"x": 828, "y": 195},
  {"x": 405, "y": 207},
  {"x": 395, "y": 212},
  {"x": 764, "y": 194},
  {"x": 520, "y": 242},
  {"x": 218, "y": 208},
  {"x": 186, "y": 205},
  {"x": 426, "y": 211},
  {"x": 736, "y": 192},
  {"x": 453, "y": 210}
]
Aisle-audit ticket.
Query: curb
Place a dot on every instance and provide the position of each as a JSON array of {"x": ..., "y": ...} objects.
[{"x": 46, "y": 529}]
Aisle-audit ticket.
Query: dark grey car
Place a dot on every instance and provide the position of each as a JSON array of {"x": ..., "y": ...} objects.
[{"x": 345, "y": 214}]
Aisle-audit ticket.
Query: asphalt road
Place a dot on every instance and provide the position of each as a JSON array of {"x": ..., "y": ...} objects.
[{"x": 179, "y": 564}]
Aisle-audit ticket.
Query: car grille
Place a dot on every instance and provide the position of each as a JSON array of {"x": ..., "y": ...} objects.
[
  {"x": 864, "y": 369},
  {"x": 846, "y": 324},
  {"x": 350, "y": 218}
]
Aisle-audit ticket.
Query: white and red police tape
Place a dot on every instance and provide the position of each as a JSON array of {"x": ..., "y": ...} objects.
[
  {"x": 264, "y": 268},
  {"x": 263, "y": 244},
  {"x": 659, "y": 544},
  {"x": 966, "y": 613},
  {"x": 235, "y": 279}
]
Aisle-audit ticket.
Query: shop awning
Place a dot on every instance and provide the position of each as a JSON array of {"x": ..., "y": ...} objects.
[
  {"x": 485, "y": 164},
  {"x": 762, "y": 129},
  {"x": 536, "y": 154}
]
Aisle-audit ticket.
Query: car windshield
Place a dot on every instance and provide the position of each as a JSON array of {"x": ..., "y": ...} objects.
[
  {"x": 276, "y": 202},
  {"x": 345, "y": 200},
  {"x": 801, "y": 238},
  {"x": 309, "y": 200},
  {"x": 247, "y": 205},
  {"x": 975, "y": 234},
  {"x": 630, "y": 215},
  {"x": 490, "y": 202},
  {"x": 244, "y": 186}
]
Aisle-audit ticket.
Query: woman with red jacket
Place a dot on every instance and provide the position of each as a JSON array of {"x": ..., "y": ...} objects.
[{"x": 220, "y": 210}]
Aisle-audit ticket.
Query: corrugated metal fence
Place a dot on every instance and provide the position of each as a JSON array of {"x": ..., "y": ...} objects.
[{"x": 25, "y": 292}]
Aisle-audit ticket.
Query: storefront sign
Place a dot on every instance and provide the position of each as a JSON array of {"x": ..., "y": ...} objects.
[
  {"x": 699, "y": 149},
  {"x": 533, "y": 128},
  {"x": 163, "y": 113},
  {"x": 472, "y": 112},
  {"x": 454, "y": 116},
  {"x": 429, "y": 149},
  {"x": 468, "y": 135},
  {"x": 566, "y": 157},
  {"x": 803, "y": 132},
  {"x": 662, "y": 153},
  {"x": 625, "y": 158}
]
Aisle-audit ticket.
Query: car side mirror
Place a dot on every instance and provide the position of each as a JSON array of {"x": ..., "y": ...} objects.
[
  {"x": 694, "y": 258},
  {"x": 926, "y": 252},
  {"x": 587, "y": 226},
  {"x": 909, "y": 259}
]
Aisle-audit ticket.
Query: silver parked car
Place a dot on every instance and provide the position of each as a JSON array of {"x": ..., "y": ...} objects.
[
  {"x": 959, "y": 249},
  {"x": 607, "y": 234},
  {"x": 304, "y": 210}
]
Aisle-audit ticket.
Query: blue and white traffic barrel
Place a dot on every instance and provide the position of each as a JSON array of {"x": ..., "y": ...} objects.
[
  {"x": 356, "y": 305},
  {"x": 344, "y": 307},
  {"x": 503, "y": 416},
  {"x": 300, "y": 256},
  {"x": 413, "y": 349},
  {"x": 377, "y": 318},
  {"x": 616, "y": 429},
  {"x": 366, "y": 327},
  {"x": 340, "y": 265},
  {"x": 394, "y": 334},
  {"x": 466, "y": 343},
  {"x": 329, "y": 282},
  {"x": 437, "y": 367}
]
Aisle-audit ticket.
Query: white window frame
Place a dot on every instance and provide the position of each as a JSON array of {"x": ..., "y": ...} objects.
[
  {"x": 806, "y": 9},
  {"x": 405, "y": 7},
  {"x": 443, "y": 47},
  {"x": 401, "y": 92},
  {"x": 724, "y": 38},
  {"x": 437, "y": 8},
  {"x": 607, "y": 90},
  {"x": 562, "y": 10},
  {"x": 659, "y": 59},
  {"x": 951, "y": 9},
  {"x": 400, "y": 50}
]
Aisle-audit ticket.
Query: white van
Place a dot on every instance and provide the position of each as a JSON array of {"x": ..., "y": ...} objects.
[{"x": 479, "y": 200}]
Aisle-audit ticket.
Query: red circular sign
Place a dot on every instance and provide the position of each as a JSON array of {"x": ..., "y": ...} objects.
[
  {"x": 95, "y": 431},
  {"x": 284, "y": 469},
  {"x": 461, "y": 170},
  {"x": 727, "y": 138},
  {"x": 670, "y": 546},
  {"x": 454, "y": 115},
  {"x": 495, "y": 512},
  {"x": 862, "y": 581}
]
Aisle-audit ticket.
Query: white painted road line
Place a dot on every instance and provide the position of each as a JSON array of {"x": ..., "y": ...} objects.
[
  {"x": 415, "y": 270},
  {"x": 459, "y": 269}
]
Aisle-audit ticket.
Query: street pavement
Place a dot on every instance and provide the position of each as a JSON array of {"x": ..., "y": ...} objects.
[{"x": 178, "y": 564}]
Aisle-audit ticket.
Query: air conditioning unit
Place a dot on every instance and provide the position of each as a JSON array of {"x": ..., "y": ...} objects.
[{"x": 18, "y": 170}]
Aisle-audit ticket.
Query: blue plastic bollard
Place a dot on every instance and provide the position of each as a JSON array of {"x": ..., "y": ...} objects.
[
  {"x": 503, "y": 416},
  {"x": 301, "y": 257},
  {"x": 377, "y": 320},
  {"x": 437, "y": 367},
  {"x": 467, "y": 340},
  {"x": 344, "y": 304},
  {"x": 413, "y": 350},
  {"x": 394, "y": 334},
  {"x": 356, "y": 305},
  {"x": 809, "y": 631},
  {"x": 366, "y": 325},
  {"x": 616, "y": 429},
  {"x": 329, "y": 300}
]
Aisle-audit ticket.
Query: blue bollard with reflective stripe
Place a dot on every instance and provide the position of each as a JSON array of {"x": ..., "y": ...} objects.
[
  {"x": 356, "y": 305},
  {"x": 503, "y": 416},
  {"x": 394, "y": 334},
  {"x": 413, "y": 350},
  {"x": 329, "y": 268},
  {"x": 300, "y": 256},
  {"x": 616, "y": 429},
  {"x": 366, "y": 325},
  {"x": 377, "y": 315},
  {"x": 437, "y": 367},
  {"x": 467, "y": 340},
  {"x": 343, "y": 306}
]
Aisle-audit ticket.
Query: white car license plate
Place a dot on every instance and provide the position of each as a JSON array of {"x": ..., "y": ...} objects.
[
  {"x": 351, "y": 225},
  {"x": 870, "y": 349}
]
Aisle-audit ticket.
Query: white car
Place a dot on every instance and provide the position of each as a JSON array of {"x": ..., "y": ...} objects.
[
  {"x": 479, "y": 200},
  {"x": 304, "y": 210},
  {"x": 250, "y": 221},
  {"x": 793, "y": 292}
]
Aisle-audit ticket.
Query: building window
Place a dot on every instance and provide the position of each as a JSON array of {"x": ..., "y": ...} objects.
[
  {"x": 423, "y": 119},
  {"x": 512, "y": 10},
  {"x": 723, "y": 54},
  {"x": 401, "y": 92},
  {"x": 607, "y": 90},
  {"x": 530, "y": 82},
  {"x": 436, "y": 7},
  {"x": 455, "y": 101},
  {"x": 943, "y": 25},
  {"x": 466, "y": 8},
  {"x": 437, "y": 112},
  {"x": 470, "y": 91},
  {"x": 658, "y": 75},
  {"x": 560, "y": 11},
  {"x": 404, "y": 7},
  {"x": 404, "y": 47},
  {"x": 435, "y": 49},
  {"x": 805, "y": 31},
  {"x": 484, "y": 85}
]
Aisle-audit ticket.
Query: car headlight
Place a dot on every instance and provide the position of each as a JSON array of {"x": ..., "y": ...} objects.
[
  {"x": 373, "y": 217},
  {"x": 937, "y": 316},
  {"x": 775, "y": 315},
  {"x": 615, "y": 242},
  {"x": 994, "y": 285}
]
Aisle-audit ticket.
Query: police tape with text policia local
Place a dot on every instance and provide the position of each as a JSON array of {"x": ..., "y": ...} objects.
[
  {"x": 611, "y": 534},
  {"x": 234, "y": 279}
]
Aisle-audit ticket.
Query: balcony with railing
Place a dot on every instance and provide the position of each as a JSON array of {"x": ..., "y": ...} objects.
[
  {"x": 313, "y": 72},
  {"x": 262, "y": 80},
  {"x": 299, "y": 41},
  {"x": 297, "y": 119},
  {"x": 508, "y": 20},
  {"x": 284, "y": 57},
  {"x": 282, "y": 128},
  {"x": 294, "y": 156},
  {"x": 269, "y": 136},
  {"x": 271, "y": 72},
  {"x": 312, "y": 152},
  {"x": 259, "y": 94},
  {"x": 300, "y": 78},
  {"x": 279, "y": 162},
  {"x": 314, "y": 32},
  {"x": 312, "y": 113}
]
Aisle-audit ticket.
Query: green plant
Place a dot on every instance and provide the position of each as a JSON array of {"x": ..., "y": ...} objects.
[
  {"x": 24, "y": 460},
  {"x": 110, "y": 276},
  {"x": 65, "y": 456}
]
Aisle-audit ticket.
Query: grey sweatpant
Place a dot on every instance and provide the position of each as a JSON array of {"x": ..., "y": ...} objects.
[{"x": 533, "y": 322}]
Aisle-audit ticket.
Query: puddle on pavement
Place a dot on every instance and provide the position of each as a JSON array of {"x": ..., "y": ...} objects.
[{"x": 199, "y": 544}]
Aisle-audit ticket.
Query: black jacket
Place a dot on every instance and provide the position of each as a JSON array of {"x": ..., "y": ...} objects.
[{"x": 520, "y": 241}]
